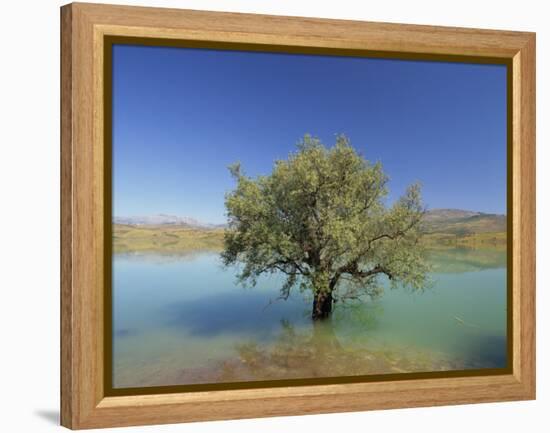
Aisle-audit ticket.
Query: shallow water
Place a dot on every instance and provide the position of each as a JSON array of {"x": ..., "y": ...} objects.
[{"x": 183, "y": 319}]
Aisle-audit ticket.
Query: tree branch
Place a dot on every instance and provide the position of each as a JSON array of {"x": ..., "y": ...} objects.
[
  {"x": 353, "y": 270},
  {"x": 396, "y": 234}
]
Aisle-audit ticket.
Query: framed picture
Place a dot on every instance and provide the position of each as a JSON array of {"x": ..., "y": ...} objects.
[{"x": 267, "y": 216}]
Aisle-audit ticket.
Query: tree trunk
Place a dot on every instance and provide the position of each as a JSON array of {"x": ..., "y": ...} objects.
[{"x": 322, "y": 305}]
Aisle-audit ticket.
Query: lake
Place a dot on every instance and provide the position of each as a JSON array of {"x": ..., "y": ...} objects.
[{"x": 183, "y": 319}]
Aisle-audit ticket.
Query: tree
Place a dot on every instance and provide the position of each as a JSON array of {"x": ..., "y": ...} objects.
[{"x": 319, "y": 218}]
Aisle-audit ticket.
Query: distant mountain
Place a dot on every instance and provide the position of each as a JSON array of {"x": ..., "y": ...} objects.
[
  {"x": 163, "y": 219},
  {"x": 449, "y": 214},
  {"x": 450, "y": 221},
  {"x": 463, "y": 222}
]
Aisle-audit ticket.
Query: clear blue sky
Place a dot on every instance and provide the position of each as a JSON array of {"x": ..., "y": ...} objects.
[{"x": 181, "y": 116}]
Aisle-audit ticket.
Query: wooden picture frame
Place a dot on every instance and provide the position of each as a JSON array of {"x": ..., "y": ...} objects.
[{"x": 84, "y": 30}]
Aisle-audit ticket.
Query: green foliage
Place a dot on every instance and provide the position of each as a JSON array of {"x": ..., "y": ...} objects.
[{"x": 320, "y": 218}]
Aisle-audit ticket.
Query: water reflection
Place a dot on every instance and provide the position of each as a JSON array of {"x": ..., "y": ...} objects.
[
  {"x": 232, "y": 312},
  {"x": 445, "y": 260},
  {"x": 182, "y": 319},
  {"x": 466, "y": 259},
  {"x": 318, "y": 352},
  {"x": 163, "y": 257},
  {"x": 120, "y": 333}
]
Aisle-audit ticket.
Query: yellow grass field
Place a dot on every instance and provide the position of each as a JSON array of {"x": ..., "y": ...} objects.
[
  {"x": 179, "y": 238},
  {"x": 496, "y": 240},
  {"x": 165, "y": 238}
]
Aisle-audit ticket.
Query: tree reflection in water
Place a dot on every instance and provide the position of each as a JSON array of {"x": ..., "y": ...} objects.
[{"x": 319, "y": 353}]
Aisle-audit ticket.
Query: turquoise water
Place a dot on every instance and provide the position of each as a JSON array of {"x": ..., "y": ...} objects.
[{"x": 183, "y": 319}]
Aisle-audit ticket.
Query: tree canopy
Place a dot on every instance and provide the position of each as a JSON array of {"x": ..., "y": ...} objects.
[{"x": 320, "y": 219}]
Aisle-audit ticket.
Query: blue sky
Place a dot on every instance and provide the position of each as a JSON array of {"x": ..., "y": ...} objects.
[{"x": 181, "y": 116}]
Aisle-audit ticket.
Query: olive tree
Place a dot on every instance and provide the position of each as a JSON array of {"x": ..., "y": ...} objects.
[{"x": 320, "y": 219}]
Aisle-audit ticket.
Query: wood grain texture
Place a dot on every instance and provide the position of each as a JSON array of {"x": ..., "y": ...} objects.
[
  {"x": 83, "y": 403},
  {"x": 67, "y": 394},
  {"x": 524, "y": 238}
]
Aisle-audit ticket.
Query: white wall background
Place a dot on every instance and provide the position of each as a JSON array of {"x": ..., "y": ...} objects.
[{"x": 29, "y": 219}]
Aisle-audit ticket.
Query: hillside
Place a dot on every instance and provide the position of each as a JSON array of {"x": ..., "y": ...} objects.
[
  {"x": 443, "y": 228},
  {"x": 454, "y": 227},
  {"x": 449, "y": 214},
  {"x": 462, "y": 223},
  {"x": 168, "y": 238}
]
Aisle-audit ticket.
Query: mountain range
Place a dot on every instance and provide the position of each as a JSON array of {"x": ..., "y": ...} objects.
[
  {"x": 463, "y": 222},
  {"x": 454, "y": 221},
  {"x": 162, "y": 220}
]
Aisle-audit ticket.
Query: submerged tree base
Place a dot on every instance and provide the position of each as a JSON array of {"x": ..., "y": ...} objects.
[
  {"x": 313, "y": 353},
  {"x": 322, "y": 306},
  {"x": 320, "y": 354}
]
